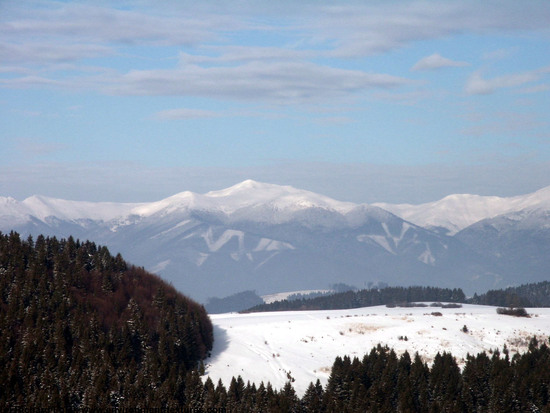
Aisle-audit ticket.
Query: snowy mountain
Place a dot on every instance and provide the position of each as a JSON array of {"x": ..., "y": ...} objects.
[
  {"x": 456, "y": 212},
  {"x": 271, "y": 347},
  {"x": 272, "y": 238}
]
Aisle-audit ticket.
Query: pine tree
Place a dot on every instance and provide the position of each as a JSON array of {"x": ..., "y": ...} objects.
[{"x": 312, "y": 401}]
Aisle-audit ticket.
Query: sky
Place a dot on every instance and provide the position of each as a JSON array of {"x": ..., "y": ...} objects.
[{"x": 363, "y": 101}]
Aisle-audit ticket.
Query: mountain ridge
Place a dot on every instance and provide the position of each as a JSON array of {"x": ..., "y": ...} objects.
[
  {"x": 246, "y": 198},
  {"x": 271, "y": 238},
  {"x": 474, "y": 208}
]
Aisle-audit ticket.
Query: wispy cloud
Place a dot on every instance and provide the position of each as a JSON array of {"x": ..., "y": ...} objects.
[
  {"x": 477, "y": 85},
  {"x": 436, "y": 61},
  {"x": 73, "y": 31},
  {"x": 85, "y": 22},
  {"x": 363, "y": 29},
  {"x": 43, "y": 52},
  {"x": 186, "y": 113},
  {"x": 281, "y": 82}
]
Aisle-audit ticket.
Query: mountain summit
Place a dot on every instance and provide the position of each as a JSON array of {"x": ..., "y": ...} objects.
[
  {"x": 247, "y": 201},
  {"x": 273, "y": 238}
]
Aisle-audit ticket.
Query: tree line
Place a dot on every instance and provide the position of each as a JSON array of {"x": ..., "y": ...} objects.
[
  {"x": 366, "y": 298},
  {"x": 525, "y": 295}
]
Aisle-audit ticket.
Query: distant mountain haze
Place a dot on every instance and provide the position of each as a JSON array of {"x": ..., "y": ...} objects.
[{"x": 271, "y": 238}]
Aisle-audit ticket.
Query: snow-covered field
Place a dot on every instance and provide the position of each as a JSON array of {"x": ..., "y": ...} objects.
[{"x": 302, "y": 345}]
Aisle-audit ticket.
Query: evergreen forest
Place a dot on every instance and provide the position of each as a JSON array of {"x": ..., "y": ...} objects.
[
  {"x": 81, "y": 328},
  {"x": 525, "y": 295}
]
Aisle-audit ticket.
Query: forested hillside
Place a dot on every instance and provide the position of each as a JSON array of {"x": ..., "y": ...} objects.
[
  {"x": 366, "y": 298},
  {"x": 80, "y": 328},
  {"x": 526, "y": 295}
]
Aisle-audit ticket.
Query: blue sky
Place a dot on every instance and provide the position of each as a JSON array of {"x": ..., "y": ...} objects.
[{"x": 362, "y": 101}]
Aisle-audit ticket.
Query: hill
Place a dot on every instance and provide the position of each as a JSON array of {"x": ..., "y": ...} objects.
[{"x": 80, "y": 328}]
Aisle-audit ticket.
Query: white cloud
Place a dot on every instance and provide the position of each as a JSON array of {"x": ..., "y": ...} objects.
[
  {"x": 357, "y": 30},
  {"x": 44, "y": 52},
  {"x": 281, "y": 70},
  {"x": 339, "y": 30},
  {"x": 436, "y": 61},
  {"x": 231, "y": 54},
  {"x": 186, "y": 113},
  {"x": 32, "y": 81},
  {"x": 477, "y": 85},
  {"x": 277, "y": 82},
  {"x": 83, "y": 22}
]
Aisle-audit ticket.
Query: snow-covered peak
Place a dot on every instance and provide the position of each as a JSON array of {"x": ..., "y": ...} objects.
[
  {"x": 43, "y": 207},
  {"x": 246, "y": 201},
  {"x": 8, "y": 205},
  {"x": 244, "y": 186},
  {"x": 275, "y": 204},
  {"x": 456, "y": 212},
  {"x": 12, "y": 210},
  {"x": 251, "y": 193},
  {"x": 249, "y": 199},
  {"x": 182, "y": 201}
]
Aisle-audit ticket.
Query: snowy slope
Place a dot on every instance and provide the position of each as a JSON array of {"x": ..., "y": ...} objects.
[
  {"x": 456, "y": 212},
  {"x": 303, "y": 345}
]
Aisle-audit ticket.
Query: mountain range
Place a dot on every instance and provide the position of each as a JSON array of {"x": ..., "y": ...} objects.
[{"x": 272, "y": 238}]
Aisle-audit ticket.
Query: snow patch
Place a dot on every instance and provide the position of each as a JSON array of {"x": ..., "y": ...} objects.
[
  {"x": 266, "y": 244},
  {"x": 426, "y": 257},
  {"x": 215, "y": 244},
  {"x": 201, "y": 258},
  {"x": 161, "y": 266},
  {"x": 378, "y": 239},
  {"x": 179, "y": 225}
]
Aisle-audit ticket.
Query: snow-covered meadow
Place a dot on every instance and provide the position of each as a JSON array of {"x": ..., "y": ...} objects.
[{"x": 302, "y": 345}]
